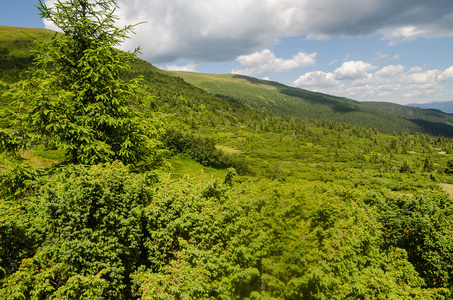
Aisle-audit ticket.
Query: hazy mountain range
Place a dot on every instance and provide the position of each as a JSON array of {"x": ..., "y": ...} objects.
[{"x": 446, "y": 107}]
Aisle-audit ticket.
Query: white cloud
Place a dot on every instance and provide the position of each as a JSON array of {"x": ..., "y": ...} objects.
[
  {"x": 447, "y": 74},
  {"x": 266, "y": 62},
  {"x": 188, "y": 68},
  {"x": 353, "y": 70},
  {"x": 316, "y": 80},
  {"x": 392, "y": 82},
  {"x": 221, "y": 30},
  {"x": 401, "y": 34},
  {"x": 419, "y": 76},
  {"x": 317, "y": 37},
  {"x": 390, "y": 71}
]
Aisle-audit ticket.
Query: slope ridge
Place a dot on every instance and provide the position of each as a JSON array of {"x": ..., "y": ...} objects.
[
  {"x": 243, "y": 91},
  {"x": 281, "y": 99}
]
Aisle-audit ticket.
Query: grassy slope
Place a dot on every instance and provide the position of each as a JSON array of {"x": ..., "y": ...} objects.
[
  {"x": 260, "y": 137},
  {"x": 284, "y": 100},
  {"x": 18, "y": 40},
  {"x": 15, "y": 46},
  {"x": 258, "y": 94},
  {"x": 416, "y": 114}
]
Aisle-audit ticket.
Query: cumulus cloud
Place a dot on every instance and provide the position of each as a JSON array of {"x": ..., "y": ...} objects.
[
  {"x": 392, "y": 81},
  {"x": 187, "y": 68},
  {"x": 447, "y": 75},
  {"x": 266, "y": 62},
  {"x": 353, "y": 70},
  {"x": 316, "y": 80},
  {"x": 420, "y": 76},
  {"x": 222, "y": 30},
  {"x": 390, "y": 71}
]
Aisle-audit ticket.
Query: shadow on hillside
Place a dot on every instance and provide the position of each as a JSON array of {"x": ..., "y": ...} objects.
[
  {"x": 342, "y": 105},
  {"x": 229, "y": 99},
  {"x": 438, "y": 111},
  {"x": 11, "y": 62},
  {"x": 337, "y": 105},
  {"x": 434, "y": 128},
  {"x": 260, "y": 81}
]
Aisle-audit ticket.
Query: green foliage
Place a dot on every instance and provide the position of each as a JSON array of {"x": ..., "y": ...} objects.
[
  {"x": 405, "y": 167},
  {"x": 422, "y": 225},
  {"x": 9, "y": 143},
  {"x": 101, "y": 232},
  {"x": 203, "y": 150},
  {"x": 15, "y": 182},
  {"x": 332, "y": 210},
  {"x": 194, "y": 234},
  {"x": 76, "y": 99},
  {"x": 91, "y": 220},
  {"x": 449, "y": 168},
  {"x": 325, "y": 243}
]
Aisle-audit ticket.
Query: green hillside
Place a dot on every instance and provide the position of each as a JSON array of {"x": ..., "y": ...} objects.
[
  {"x": 445, "y": 106},
  {"x": 284, "y": 100},
  {"x": 15, "y": 46},
  {"x": 262, "y": 95},
  {"x": 430, "y": 119},
  {"x": 244, "y": 200}
]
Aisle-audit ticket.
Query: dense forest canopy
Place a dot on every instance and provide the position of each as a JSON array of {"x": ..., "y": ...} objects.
[{"x": 121, "y": 181}]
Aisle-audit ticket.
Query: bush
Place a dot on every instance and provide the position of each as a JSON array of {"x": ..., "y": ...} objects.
[
  {"x": 91, "y": 223},
  {"x": 421, "y": 225},
  {"x": 203, "y": 150}
]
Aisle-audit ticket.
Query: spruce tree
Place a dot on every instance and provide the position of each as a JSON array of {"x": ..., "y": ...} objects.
[{"x": 76, "y": 99}]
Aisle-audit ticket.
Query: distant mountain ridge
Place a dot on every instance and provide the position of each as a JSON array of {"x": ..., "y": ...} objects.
[
  {"x": 247, "y": 92},
  {"x": 446, "y": 107},
  {"x": 281, "y": 99}
]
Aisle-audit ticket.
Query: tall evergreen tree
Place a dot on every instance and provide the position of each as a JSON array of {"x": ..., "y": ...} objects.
[{"x": 76, "y": 98}]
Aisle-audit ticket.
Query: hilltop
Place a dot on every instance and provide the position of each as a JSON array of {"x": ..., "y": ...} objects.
[
  {"x": 260, "y": 95},
  {"x": 446, "y": 106},
  {"x": 280, "y": 99}
]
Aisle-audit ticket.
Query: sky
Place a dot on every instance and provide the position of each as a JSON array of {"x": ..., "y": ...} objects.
[{"x": 368, "y": 50}]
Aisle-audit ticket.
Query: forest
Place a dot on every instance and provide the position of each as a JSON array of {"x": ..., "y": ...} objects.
[{"x": 122, "y": 181}]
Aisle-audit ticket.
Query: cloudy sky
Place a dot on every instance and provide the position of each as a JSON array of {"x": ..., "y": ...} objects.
[{"x": 381, "y": 50}]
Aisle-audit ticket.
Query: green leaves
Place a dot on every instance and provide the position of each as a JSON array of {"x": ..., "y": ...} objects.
[
  {"x": 422, "y": 225},
  {"x": 103, "y": 232},
  {"x": 76, "y": 99},
  {"x": 355, "y": 228},
  {"x": 92, "y": 223}
]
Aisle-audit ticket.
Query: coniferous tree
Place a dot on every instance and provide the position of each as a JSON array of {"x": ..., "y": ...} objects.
[{"x": 76, "y": 98}]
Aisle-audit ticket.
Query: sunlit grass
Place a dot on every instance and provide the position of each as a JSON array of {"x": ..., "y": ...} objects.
[{"x": 448, "y": 188}]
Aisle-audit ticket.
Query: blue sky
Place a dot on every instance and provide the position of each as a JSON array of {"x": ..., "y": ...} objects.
[{"x": 368, "y": 50}]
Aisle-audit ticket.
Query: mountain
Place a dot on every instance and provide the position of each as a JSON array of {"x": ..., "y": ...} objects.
[
  {"x": 319, "y": 209},
  {"x": 429, "y": 119},
  {"x": 446, "y": 107},
  {"x": 280, "y": 99},
  {"x": 243, "y": 91}
]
